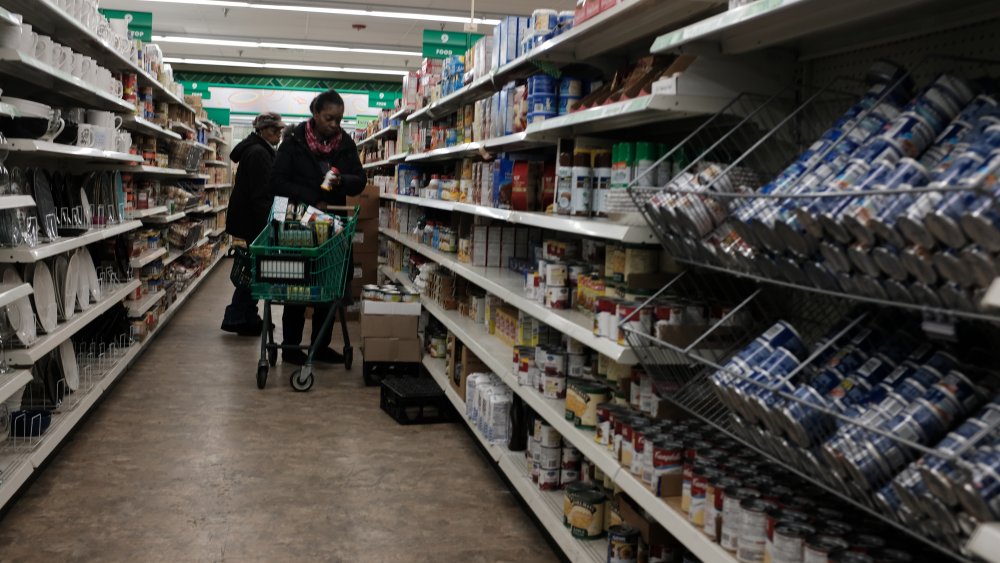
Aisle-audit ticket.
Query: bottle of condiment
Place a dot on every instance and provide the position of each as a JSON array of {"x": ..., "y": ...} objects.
[
  {"x": 564, "y": 184},
  {"x": 622, "y": 161},
  {"x": 331, "y": 179},
  {"x": 645, "y": 158},
  {"x": 601, "y": 183},
  {"x": 582, "y": 183}
]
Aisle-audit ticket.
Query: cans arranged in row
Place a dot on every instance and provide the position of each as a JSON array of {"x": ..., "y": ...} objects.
[{"x": 897, "y": 200}]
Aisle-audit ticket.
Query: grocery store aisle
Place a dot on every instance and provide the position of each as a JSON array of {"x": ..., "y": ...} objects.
[{"x": 186, "y": 460}]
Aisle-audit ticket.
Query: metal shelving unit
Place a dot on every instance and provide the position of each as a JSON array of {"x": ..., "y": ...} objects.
[
  {"x": 384, "y": 132},
  {"x": 147, "y": 257},
  {"x": 49, "y": 249},
  {"x": 509, "y": 286},
  {"x": 150, "y": 211},
  {"x": 140, "y": 307},
  {"x": 27, "y": 76},
  {"x": 144, "y": 126},
  {"x": 46, "y": 149},
  {"x": 164, "y": 219},
  {"x": 376, "y": 164}
]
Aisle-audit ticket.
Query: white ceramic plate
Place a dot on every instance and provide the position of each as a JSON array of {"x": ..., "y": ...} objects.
[
  {"x": 71, "y": 371},
  {"x": 82, "y": 283},
  {"x": 45, "y": 297},
  {"x": 72, "y": 285},
  {"x": 27, "y": 333},
  {"x": 87, "y": 263},
  {"x": 88, "y": 216}
]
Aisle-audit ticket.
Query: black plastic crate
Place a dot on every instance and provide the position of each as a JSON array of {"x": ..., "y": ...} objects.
[
  {"x": 374, "y": 373},
  {"x": 415, "y": 401}
]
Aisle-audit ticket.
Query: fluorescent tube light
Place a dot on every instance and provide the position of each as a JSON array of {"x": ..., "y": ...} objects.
[
  {"x": 278, "y": 45},
  {"x": 337, "y": 11},
  {"x": 283, "y": 66}
]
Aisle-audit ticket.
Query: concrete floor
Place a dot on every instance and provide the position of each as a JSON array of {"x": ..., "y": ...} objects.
[{"x": 185, "y": 460}]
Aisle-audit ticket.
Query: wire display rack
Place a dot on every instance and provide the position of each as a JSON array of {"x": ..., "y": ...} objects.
[
  {"x": 868, "y": 189},
  {"x": 879, "y": 197},
  {"x": 851, "y": 398}
]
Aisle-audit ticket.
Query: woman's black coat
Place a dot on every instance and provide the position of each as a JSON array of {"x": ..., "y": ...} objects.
[{"x": 297, "y": 173}]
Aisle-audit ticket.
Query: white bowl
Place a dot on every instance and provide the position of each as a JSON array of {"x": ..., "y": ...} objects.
[{"x": 28, "y": 108}]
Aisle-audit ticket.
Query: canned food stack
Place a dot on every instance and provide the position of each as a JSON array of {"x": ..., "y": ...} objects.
[
  {"x": 937, "y": 247},
  {"x": 894, "y": 395}
]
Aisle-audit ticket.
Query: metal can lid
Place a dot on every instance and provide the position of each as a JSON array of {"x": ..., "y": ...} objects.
[
  {"x": 623, "y": 531},
  {"x": 757, "y": 505},
  {"x": 794, "y": 529},
  {"x": 844, "y": 556},
  {"x": 826, "y": 543},
  {"x": 890, "y": 555},
  {"x": 866, "y": 541}
]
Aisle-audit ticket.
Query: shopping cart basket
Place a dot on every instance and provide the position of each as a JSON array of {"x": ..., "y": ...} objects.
[{"x": 300, "y": 275}]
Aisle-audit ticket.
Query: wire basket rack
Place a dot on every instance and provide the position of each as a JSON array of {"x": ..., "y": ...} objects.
[
  {"x": 185, "y": 155},
  {"x": 851, "y": 397},
  {"x": 872, "y": 189}
]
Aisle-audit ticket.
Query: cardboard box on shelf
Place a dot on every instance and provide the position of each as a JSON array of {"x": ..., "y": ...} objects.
[
  {"x": 651, "y": 532},
  {"x": 386, "y": 308},
  {"x": 366, "y": 235},
  {"x": 390, "y": 349},
  {"x": 389, "y": 326},
  {"x": 470, "y": 364},
  {"x": 368, "y": 201}
]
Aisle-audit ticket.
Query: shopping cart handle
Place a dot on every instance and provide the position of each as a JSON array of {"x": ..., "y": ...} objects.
[{"x": 340, "y": 208}]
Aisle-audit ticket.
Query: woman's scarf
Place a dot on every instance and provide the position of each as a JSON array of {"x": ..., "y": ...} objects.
[{"x": 318, "y": 147}]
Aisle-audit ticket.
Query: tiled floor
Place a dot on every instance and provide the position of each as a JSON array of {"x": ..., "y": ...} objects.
[{"x": 185, "y": 460}]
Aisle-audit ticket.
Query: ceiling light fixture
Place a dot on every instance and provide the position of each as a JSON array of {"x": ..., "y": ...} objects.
[
  {"x": 284, "y": 66},
  {"x": 337, "y": 11},
  {"x": 276, "y": 45}
]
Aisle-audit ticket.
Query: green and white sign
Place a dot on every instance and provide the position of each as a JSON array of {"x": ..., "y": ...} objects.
[
  {"x": 383, "y": 100},
  {"x": 140, "y": 24},
  {"x": 443, "y": 44}
]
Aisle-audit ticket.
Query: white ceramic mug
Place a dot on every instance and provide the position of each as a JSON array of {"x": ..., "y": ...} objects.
[
  {"x": 124, "y": 141},
  {"x": 43, "y": 49},
  {"x": 56, "y": 126},
  {"x": 76, "y": 115},
  {"x": 104, "y": 119},
  {"x": 85, "y": 136},
  {"x": 65, "y": 59},
  {"x": 77, "y": 70},
  {"x": 27, "y": 45},
  {"x": 119, "y": 26}
]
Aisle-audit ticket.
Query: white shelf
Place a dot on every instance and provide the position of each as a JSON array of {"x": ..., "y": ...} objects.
[
  {"x": 201, "y": 242},
  {"x": 164, "y": 219},
  {"x": 146, "y": 127},
  {"x": 139, "y": 308},
  {"x": 34, "y": 254},
  {"x": 220, "y": 208},
  {"x": 815, "y": 25},
  {"x": 201, "y": 146},
  {"x": 12, "y": 382},
  {"x": 397, "y": 277},
  {"x": 217, "y": 186},
  {"x": 10, "y": 294},
  {"x": 181, "y": 126},
  {"x": 48, "y": 342},
  {"x": 203, "y": 208},
  {"x": 985, "y": 542},
  {"x": 50, "y": 85},
  {"x": 401, "y": 114},
  {"x": 636, "y": 112},
  {"x": 514, "y": 143},
  {"x": 546, "y": 505},
  {"x": 597, "y": 228},
  {"x": 140, "y": 213},
  {"x": 378, "y": 135},
  {"x": 400, "y": 157},
  {"x": 610, "y": 32},
  {"x": 171, "y": 256},
  {"x": 508, "y": 286},
  {"x": 16, "y": 201},
  {"x": 496, "y": 355},
  {"x": 156, "y": 171},
  {"x": 215, "y": 163},
  {"x": 216, "y": 232},
  {"x": 376, "y": 164},
  {"x": 457, "y": 151},
  {"x": 215, "y": 139},
  {"x": 197, "y": 176},
  {"x": 147, "y": 257},
  {"x": 29, "y": 147}
]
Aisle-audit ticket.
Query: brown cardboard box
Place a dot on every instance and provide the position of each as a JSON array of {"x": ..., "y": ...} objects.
[
  {"x": 368, "y": 200},
  {"x": 390, "y": 349},
  {"x": 389, "y": 326},
  {"x": 365, "y": 266},
  {"x": 470, "y": 365},
  {"x": 366, "y": 235},
  {"x": 651, "y": 532}
]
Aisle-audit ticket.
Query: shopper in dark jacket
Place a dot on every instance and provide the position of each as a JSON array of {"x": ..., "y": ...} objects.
[
  {"x": 303, "y": 160},
  {"x": 249, "y": 206}
]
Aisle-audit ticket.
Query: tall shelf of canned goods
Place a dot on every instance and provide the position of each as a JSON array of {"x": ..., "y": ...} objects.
[
  {"x": 823, "y": 192},
  {"x": 94, "y": 154}
]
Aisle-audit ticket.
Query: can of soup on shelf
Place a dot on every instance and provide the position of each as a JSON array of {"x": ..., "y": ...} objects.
[{"x": 623, "y": 544}]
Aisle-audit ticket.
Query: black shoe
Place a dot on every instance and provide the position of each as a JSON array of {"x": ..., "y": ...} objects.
[
  {"x": 329, "y": 356},
  {"x": 296, "y": 357},
  {"x": 251, "y": 328}
]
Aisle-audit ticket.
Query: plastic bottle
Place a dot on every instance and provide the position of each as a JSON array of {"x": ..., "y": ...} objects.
[
  {"x": 665, "y": 170},
  {"x": 621, "y": 165},
  {"x": 564, "y": 184},
  {"x": 582, "y": 183},
  {"x": 601, "y": 183}
]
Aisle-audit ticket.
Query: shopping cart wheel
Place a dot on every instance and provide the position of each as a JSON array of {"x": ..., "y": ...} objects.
[
  {"x": 261, "y": 375},
  {"x": 348, "y": 356},
  {"x": 302, "y": 379},
  {"x": 272, "y": 356}
]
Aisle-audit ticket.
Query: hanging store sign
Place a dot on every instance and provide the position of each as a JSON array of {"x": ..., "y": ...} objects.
[
  {"x": 383, "y": 100},
  {"x": 443, "y": 44},
  {"x": 140, "y": 24}
]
